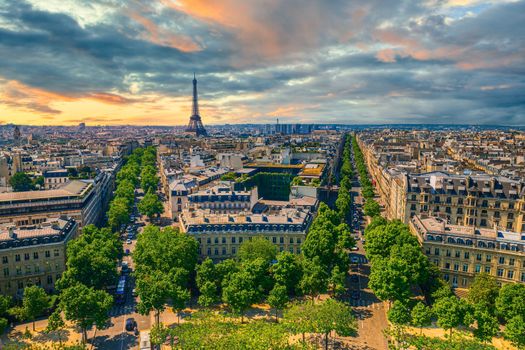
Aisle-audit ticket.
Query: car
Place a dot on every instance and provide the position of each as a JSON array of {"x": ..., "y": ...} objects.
[
  {"x": 354, "y": 249},
  {"x": 127, "y": 252},
  {"x": 363, "y": 240},
  {"x": 131, "y": 324},
  {"x": 354, "y": 278},
  {"x": 355, "y": 295},
  {"x": 134, "y": 292},
  {"x": 354, "y": 260},
  {"x": 128, "y": 241}
]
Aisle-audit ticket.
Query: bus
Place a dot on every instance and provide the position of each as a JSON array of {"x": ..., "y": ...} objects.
[{"x": 120, "y": 294}]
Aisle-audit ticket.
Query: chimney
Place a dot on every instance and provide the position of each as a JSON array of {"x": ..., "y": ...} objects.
[{"x": 12, "y": 233}]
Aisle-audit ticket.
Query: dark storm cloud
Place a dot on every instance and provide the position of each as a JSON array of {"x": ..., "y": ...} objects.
[{"x": 384, "y": 61}]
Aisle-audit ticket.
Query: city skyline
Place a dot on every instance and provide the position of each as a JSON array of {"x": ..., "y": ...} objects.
[{"x": 110, "y": 62}]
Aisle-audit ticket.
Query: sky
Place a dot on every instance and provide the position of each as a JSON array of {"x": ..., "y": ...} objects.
[{"x": 114, "y": 62}]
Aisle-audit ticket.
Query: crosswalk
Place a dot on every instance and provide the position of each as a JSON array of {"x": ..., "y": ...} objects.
[
  {"x": 360, "y": 259},
  {"x": 118, "y": 310}
]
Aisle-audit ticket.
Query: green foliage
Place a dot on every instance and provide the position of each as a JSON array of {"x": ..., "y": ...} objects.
[
  {"x": 487, "y": 325},
  {"x": 21, "y": 182},
  {"x": 5, "y": 304},
  {"x": 118, "y": 213},
  {"x": 287, "y": 271},
  {"x": 450, "y": 312},
  {"x": 399, "y": 313},
  {"x": 164, "y": 260},
  {"x": 409, "y": 341},
  {"x": 515, "y": 331},
  {"x": 278, "y": 298},
  {"x": 34, "y": 302},
  {"x": 336, "y": 282},
  {"x": 371, "y": 208},
  {"x": 389, "y": 279},
  {"x": 148, "y": 179},
  {"x": 229, "y": 176},
  {"x": 421, "y": 315},
  {"x": 92, "y": 259},
  {"x": 158, "y": 334},
  {"x": 258, "y": 247},
  {"x": 150, "y": 205},
  {"x": 510, "y": 302},
  {"x": 85, "y": 307},
  {"x": 238, "y": 292},
  {"x": 484, "y": 291},
  {"x": 207, "y": 281},
  {"x": 315, "y": 277}
]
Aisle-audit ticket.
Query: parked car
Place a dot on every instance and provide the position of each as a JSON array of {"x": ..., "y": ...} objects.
[
  {"x": 128, "y": 241},
  {"x": 354, "y": 260},
  {"x": 354, "y": 278},
  {"x": 127, "y": 252},
  {"x": 131, "y": 324},
  {"x": 355, "y": 295},
  {"x": 354, "y": 249}
]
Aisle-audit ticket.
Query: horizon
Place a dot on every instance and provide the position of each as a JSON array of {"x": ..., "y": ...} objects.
[{"x": 381, "y": 63}]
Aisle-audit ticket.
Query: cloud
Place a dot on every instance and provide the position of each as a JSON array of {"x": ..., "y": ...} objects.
[{"x": 334, "y": 61}]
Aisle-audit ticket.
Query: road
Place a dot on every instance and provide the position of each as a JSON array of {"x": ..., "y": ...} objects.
[{"x": 369, "y": 311}]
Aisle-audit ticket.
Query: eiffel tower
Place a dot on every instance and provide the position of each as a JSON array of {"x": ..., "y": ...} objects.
[{"x": 195, "y": 124}]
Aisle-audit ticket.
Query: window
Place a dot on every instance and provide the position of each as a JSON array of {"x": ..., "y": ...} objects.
[
  {"x": 478, "y": 257},
  {"x": 456, "y": 267},
  {"x": 488, "y": 258},
  {"x": 208, "y": 240},
  {"x": 240, "y": 239},
  {"x": 4, "y": 260},
  {"x": 465, "y": 267},
  {"x": 49, "y": 279},
  {"x": 467, "y": 255},
  {"x": 6, "y": 271},
  {"x": 223, "y": 251},
  {"x": 35, "y": 255},
  {"x": 26, "y": 256},
  {"x": 447, "y": 266},
  {"x": 233, "y": 240},
  {"x": 500, "y": 272},
  {"x": 511, "y": 261},
  {"x": 223, "y": 240},
  {"x": 48, "y": 254},
  {"x": 17, "y": 257},
  {"x": 298, "y": 241},
  {"x": 464, "y": 282},
  {"x": 436, "y": 251},
  {"x": 209, "y": 251},
  {"x": 523, "y": 277},
  {"x": 445, "y": 277},
  {"x": 216, "y": 240},
  {"x": 501, "y": 260},
  {"x": 487, "y": 269},
  {"x": 56, "y": 252},
  {"x": 216, "y": 252},
  {"x": 478, "y": 268},
  {"x": 274, "y": 240},
  {"x": 281, "y": 240},
  {"x": 427, "y": 251},
  {"x": 291, "y": 240},
  {"x": 234, "y": 250},
  {"x": 458, "y": 253},
  {"x": 510, "y": 274}
]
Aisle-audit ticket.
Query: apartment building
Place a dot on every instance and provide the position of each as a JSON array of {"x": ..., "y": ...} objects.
[
  {"x": 220, "y": 235},
  {"x": 83, "y": 200},
  {"x": 34, "y": 255},
  {"x": 461, "y": 252},
  {"x": 223, "y": 199}
]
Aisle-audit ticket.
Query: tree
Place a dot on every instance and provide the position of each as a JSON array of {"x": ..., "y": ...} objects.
[
  {"x": 484, "y": 291},
  {"x": 315, "y": 278},
  {"x": 150, "y": 205},
  {"x": 511, "y": 301},
  {"x": 34, "y": 302},
  {"x": 336, "y": 281},
  {"x": 86, "y": 307},
  {"x": 37, "y": 182},
  {"x": 287, "y": 271},
  {"x": 399, "y": 313},
  {"x": 148, "y": 179},
  {"x": 487, "y": 325},
  {"x": 515, "y": 331},
  {"x": 238, "y": 292},
  {"x": 154, "y": 289},
  {"x": 371, "y": 208},
  {"x": 208, "y": 282},
  {"x": 118, "y": 213},
  {"x": 21, "y": 182},
  {"x": 416, "y": 263},
  {"x": 450, "y": 312},
  {"x": 421, "y": 316},
  {"x": 258, "y": 247},
  {"x": 158, "y": 334},
  {"x": 389, "y": 280},
  {"x": 5, "y": 303},
  {"x": 332, "y": 315},
  {"x": 230, "y": 176},
  {"x": 298, "y": 319},
  {"x": 55, "y": 323},
  {"x": 278, "y": 298}
]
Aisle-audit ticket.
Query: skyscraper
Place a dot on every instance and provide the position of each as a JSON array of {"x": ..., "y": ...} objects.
[{"x": 195, "y": 124}]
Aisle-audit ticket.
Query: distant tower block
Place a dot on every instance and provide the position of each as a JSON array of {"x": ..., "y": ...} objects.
[
  {"x": 17, "y": 134},
  {"x": 195, "y": 125}
]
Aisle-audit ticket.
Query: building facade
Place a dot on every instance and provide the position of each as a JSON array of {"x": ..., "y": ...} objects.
[
  {"x": 461, "y": 252},
  {"x": 34, "y": 255}
]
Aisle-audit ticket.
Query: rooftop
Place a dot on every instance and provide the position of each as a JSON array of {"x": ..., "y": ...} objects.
[{"x": 74, "y": 188}]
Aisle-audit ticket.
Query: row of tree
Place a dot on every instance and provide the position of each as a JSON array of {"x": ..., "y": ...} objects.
[
  {"x": 371, "y": 208},
  {"x": 343, "y": 202}
]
